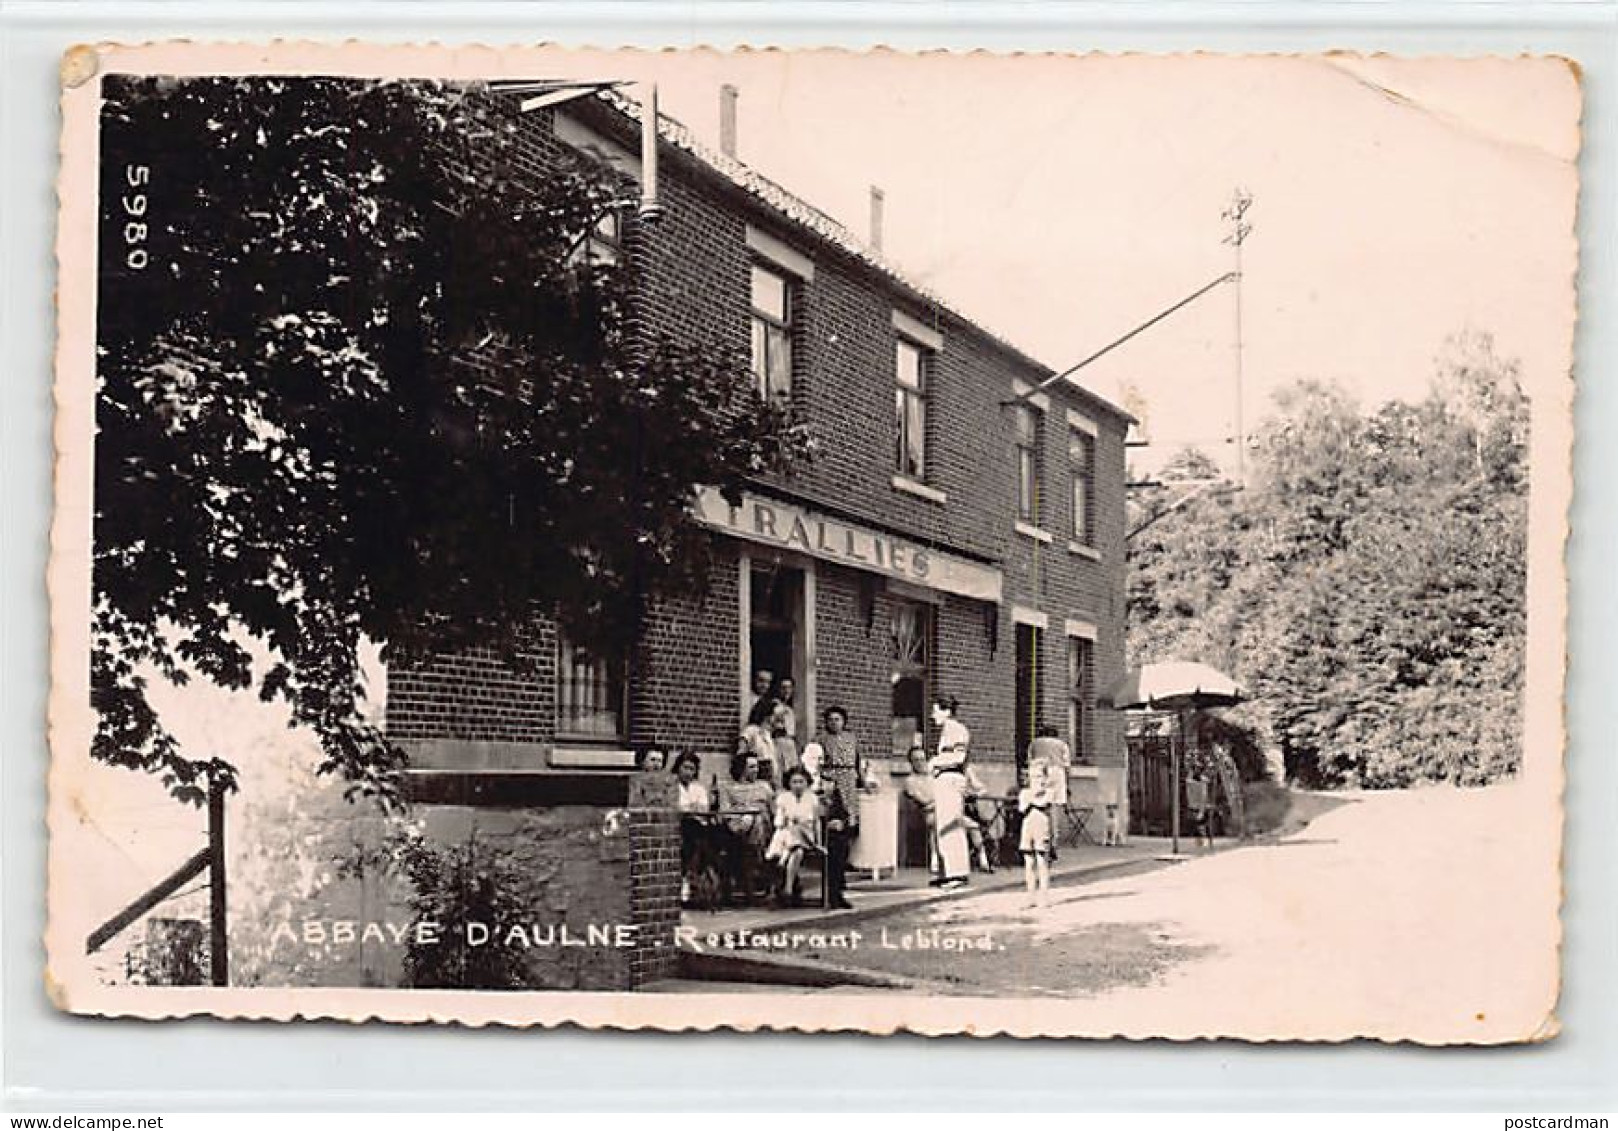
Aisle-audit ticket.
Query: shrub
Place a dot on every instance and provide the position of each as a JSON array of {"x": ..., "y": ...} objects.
[
  {"x": 455, "y": 886},
  {"x": 1268, "y": 804}
]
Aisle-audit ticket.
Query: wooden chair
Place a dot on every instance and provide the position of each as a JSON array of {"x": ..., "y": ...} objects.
[
  {"x": 741, "y": 860},
  {"x": 1075, "y": 824},
  {"x": 816, "y": 854}
]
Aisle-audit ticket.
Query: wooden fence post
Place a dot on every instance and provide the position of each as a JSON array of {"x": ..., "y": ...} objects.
[
  {"x": 218, "y": 954},
  {"x": 1177, "y": 755}
]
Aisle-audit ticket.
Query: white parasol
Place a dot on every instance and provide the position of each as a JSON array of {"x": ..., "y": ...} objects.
[{"x": 1179, "y": 686}]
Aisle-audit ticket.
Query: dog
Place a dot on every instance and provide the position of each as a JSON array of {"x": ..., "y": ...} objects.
[{"x": 1112, "y": 834}]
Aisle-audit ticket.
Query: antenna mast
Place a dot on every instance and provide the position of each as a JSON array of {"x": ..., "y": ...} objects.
[{"x": 1235, "y": 215}]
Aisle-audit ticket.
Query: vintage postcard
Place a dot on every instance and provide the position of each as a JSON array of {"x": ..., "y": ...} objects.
[{"x": 948, "y": 543}]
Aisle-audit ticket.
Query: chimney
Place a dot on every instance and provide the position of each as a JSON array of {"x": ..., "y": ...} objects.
[
  {"x": 727, "y": 120},
  {"x": 877, "y": 197}
]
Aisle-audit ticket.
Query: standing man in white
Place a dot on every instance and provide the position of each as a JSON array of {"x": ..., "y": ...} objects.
[{"x": 948, "y": 768}]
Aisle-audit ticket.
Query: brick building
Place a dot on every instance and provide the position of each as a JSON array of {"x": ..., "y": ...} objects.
[{"x": 950, "y": 538}]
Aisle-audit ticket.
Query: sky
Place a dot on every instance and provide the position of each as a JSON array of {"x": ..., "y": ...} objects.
[{"x": 1061, "y": 201}]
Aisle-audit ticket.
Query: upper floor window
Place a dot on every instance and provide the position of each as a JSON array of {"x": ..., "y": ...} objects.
[
  {"x": 1081, "y": 467},
  {"x": 1027, "y": 420},
  {"x": 602, "y": 245},
  {"x": 772, "y": 333},
  {"x": 591, "y": 695},
  {"x": 910, "y": 409}
]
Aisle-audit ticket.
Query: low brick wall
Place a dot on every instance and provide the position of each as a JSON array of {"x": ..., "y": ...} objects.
[
  {"x": 569, "y": 883},
  {"x": 654, "y": 877}
]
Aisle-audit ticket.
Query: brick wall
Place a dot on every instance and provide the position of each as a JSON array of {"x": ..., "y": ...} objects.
[
  {"x": 1052, "y": 578},
  {"x": 683, "y": 694},
  {"x": 692, "y": 275},
  {"x": 478, "y": 696},
  {"x": 653, "y": 878},
  {"x": 843, "y": 386},
  {"x": 855, "y": 657}
]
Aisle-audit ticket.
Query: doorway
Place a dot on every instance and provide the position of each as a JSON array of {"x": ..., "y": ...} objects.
[
  {"x": 776, "y": 628},
  {"x": 912, "y": 664}
]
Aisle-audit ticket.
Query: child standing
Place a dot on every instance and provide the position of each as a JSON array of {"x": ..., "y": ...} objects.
[{"x": 1034, "y": 803}]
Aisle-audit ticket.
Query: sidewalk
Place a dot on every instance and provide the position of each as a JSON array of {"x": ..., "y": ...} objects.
[{"x": 909, "y": 888}]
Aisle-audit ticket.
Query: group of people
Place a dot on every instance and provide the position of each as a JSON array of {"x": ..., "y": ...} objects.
[
  {"x": 771, "y": 730},
  {"x": 783, "y": 803},
  {"x": 947, "y": 789},
  {"x": 780, "y": 804}
]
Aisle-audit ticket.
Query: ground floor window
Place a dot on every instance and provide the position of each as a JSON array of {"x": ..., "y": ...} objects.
[
  {"x": 591, "y": 695},
  {"x": 1081, "y": 693},
  {"x": 1029, "y": 679}
]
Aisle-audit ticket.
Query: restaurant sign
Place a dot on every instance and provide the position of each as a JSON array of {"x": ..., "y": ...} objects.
[{"x": 789, "y": 527}]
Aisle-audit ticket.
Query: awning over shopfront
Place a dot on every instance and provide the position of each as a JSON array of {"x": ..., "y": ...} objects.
[{"x": 785, "y": 526}]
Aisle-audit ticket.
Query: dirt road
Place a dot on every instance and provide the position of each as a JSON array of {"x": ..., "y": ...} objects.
[{"x": 1428, "y": 913}]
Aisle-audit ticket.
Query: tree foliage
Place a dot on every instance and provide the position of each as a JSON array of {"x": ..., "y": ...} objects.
[
  {"x": 356, "y": 382},
  {"x": 1369, "y": 584}
]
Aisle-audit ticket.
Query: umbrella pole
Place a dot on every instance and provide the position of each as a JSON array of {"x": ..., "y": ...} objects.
[{"x": 1176, "y": 754}]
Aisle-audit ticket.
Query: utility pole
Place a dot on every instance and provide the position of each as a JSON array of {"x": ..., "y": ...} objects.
[{"x": 1235, "y": 214}]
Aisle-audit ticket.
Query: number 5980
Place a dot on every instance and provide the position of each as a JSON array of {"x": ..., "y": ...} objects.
[{"x": 135, "y": 204}]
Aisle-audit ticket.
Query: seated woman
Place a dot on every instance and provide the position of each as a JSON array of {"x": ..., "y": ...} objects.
[
  {"x": 919, "y": 788},
  {"x": 652, "y": 760},
  {"x": 691, "y": 798},
  {"x": 797, "y": 828},
  {"x": 747, "y": 804},
  {"x": 978, "y": 803}
]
